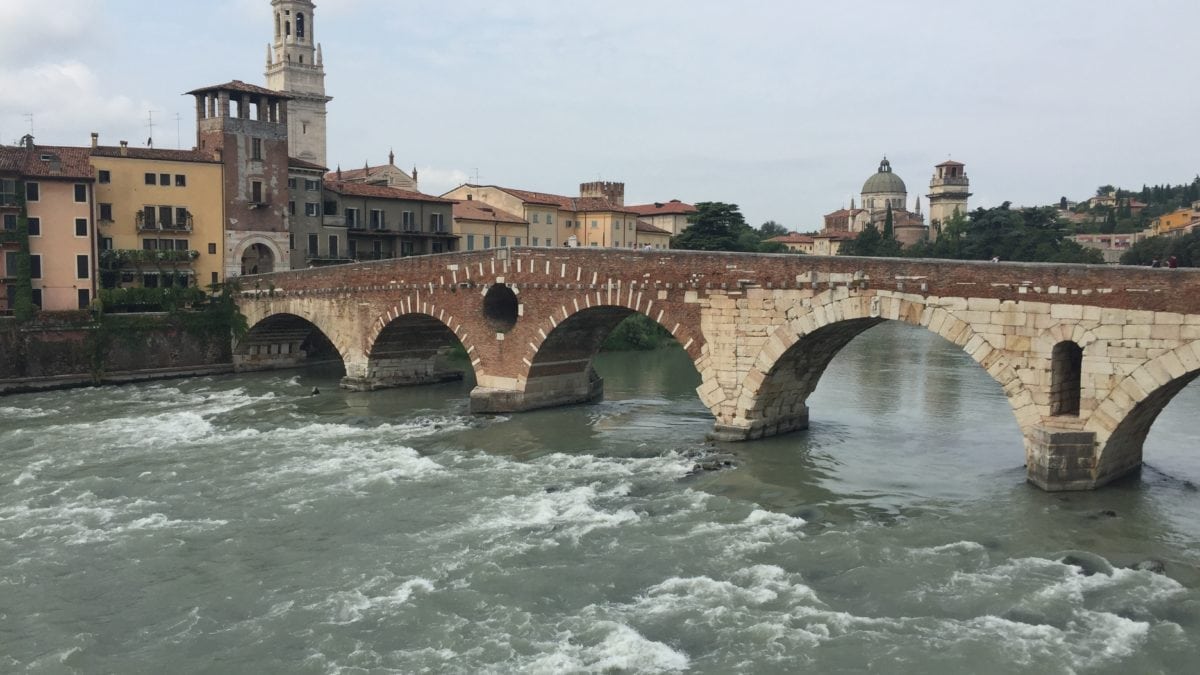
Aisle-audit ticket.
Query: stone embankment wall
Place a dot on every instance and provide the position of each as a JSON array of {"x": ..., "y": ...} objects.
[{"x": 68, "y": 349}]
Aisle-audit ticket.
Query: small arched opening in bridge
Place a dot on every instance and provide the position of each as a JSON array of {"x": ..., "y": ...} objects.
[
  {"x": 563, "y": 371},
  {"x": 258, "y": 259},
  {"x": 500, "y": 308},
  {"x": 1066, "y": 370},
  {"x": 413, "y": 349},
  {"x": 889, "y": 405},
  {"x": 285, "y": 341}
]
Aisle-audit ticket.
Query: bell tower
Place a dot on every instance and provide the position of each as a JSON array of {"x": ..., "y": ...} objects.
[
  {"x": 296, "y": 67},
  {"x": 948, "y": 192}
]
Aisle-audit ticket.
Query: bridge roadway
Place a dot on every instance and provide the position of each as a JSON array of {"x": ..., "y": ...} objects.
[{"x": 1087, "y": 356}]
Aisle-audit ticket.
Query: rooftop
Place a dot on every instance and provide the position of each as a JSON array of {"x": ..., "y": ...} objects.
[
  {"x": 473, "y": 210},
  {"x": 381, "y": 192},
  {"x": 673, "y": 207}
]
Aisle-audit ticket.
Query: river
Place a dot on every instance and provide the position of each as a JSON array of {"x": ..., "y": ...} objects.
[{"x": 240, "y": 524}]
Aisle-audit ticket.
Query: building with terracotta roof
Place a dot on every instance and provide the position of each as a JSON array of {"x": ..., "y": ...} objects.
[
  {"x": 480, "y": 225},
  {"x": 1178, "y": 222},
  {"x": 672, "y": 216},
  {"x": 50, "y": 189},
  {"x": 651, "y": 236},
  {"x": 795, "y": 242},
  {"x": 159, "y": 216},
  {"x": 385, "y": 222},
  {"x": 596, "y": 218},
  {"x": 388, "y": 174}
]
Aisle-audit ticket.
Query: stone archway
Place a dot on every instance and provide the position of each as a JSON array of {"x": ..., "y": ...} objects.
[{"x": 257, "y": 258}]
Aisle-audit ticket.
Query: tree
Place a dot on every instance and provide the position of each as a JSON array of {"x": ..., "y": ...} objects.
[
  {"x": 716, "y": 226},
  {"x": 771, "y": 229}
]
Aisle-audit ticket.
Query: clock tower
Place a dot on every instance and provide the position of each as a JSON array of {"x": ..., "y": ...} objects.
[{"x": 295, "y": 67}]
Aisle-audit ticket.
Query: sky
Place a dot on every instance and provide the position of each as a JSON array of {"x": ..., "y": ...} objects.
[{"x": 783, "y": 108}]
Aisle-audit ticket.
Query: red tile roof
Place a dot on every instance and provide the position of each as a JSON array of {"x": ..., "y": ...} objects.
[
  {"x": 949, "y": 162},
  {"x": 356, "y": 174},
  {"x": 160, "y": 154},
  {"x": 473, "y": 210},
  {"x": 67, "y": 162},
  {"x": 793, "y": 238},
  {"x": 673, "y": 207},
  {"x": 562, "y": 202},
  {"x": 242, "y": 87},
  {"x": 381, "y": 192},
  {"x": 643, "y": 226},
  {"x": 844, "y": 212},
  {"x": 835, "y": 234}
]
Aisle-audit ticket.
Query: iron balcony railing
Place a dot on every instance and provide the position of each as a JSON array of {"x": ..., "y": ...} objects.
[{"x": 174, "y": 224}]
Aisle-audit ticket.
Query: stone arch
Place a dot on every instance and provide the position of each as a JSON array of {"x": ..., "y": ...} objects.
[
  {"x": 1066, "y": 378},
  {"x": 239, "y": 253},
  {"x": 277, "y": 338},
  {"x": 411, "y": 317},
  {"x": 559, "y": 358},
  {"x": 772, "y": 397},
  {"x": 1123, "y": 419}
]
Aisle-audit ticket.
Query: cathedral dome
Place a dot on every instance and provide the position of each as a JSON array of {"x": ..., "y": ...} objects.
[{"x": 884, "y": 181}]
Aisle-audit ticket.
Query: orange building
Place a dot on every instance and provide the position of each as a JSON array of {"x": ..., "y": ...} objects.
[{"x": 57, "y": 184}]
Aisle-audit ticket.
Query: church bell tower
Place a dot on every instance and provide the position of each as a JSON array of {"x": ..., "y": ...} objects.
[
  {"x": 948, "y": 193},
  {"x": 295, "y": 67}
]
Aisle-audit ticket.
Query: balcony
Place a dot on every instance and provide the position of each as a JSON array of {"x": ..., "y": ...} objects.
[
  {"x": 145, "y": 224},
  {"x": 115, "y": 259}
]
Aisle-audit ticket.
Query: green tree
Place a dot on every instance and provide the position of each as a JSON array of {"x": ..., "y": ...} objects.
[
  {"x": 716, "y": 226},
  {"x": 23, "y": 300},
  {"x": 771, "y": 229}
]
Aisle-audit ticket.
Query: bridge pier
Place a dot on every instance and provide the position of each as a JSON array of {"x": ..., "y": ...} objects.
[
  {"x": 1060, "y": 460},
  {"x": 794, "y": 419},
  {"x": 272, "y": 355},
  {"x": 543, "y": 392},
  {"x": 398, "y": 372}
]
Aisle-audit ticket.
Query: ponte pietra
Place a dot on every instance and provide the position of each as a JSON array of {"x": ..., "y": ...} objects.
[{"x": 1087, "y": 355}]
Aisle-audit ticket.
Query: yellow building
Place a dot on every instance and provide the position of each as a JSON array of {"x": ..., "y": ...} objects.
[
  {"x": 160, "y": 216},
  {"x": 1180, "y": 221},
  {"x": 482, "y": 226}
]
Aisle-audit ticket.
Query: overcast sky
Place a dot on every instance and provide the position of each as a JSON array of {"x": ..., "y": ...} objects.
[{"x": 782, "y": 108}]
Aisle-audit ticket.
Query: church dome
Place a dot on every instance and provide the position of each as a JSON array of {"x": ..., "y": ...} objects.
[{"x": 884, "y": 181}]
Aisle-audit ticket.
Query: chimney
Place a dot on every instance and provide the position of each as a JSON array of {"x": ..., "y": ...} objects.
[
  {"x": 124, "y": 148},
  {"x": 95, "y": 140}
]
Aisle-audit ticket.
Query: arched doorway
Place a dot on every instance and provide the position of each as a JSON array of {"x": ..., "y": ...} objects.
[{"x": 258, "y": 259}]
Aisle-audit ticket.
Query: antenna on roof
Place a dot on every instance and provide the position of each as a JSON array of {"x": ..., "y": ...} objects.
[
  {"x": 29, "y": 116},
  {"x": 150, "y": 125},
  {"x": 178, "y": 140},
  {"x": 476, "y": 180}
]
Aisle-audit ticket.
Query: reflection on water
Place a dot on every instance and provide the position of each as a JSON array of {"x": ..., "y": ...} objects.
[{"x": 240, "y": 524}]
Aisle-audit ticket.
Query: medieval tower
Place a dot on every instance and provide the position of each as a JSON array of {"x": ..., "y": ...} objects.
[
  {"x": 948, "y": 192},
  {"x": 295, "y": 67}
]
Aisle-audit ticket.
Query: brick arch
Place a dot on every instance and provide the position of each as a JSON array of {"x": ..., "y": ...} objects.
[
  {"x": 626, "y": 303},
  {"x": 261, "y": 312},
  {"x": 831, "y": 322},
  {"x": 413, "y": 304},
  {"x": 1123, "y": 419}
]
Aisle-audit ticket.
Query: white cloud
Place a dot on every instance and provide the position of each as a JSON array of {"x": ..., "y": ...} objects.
[
  {"x": 62, "y": 96},
  {"x": 435, "y": 181},
  {"x": 35, "y": 27}
]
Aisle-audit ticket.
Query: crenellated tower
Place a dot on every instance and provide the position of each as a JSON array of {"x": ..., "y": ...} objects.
[
  {"x": 295, "y": 66},
  {"x": 948, "y": 193}
]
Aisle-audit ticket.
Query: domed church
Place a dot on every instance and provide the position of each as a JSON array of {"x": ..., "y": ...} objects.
[{"x": 881, "y": 190}]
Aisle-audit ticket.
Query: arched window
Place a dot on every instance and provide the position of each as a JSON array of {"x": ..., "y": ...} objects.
[
  {"x": 299, "y": 25},
  {"x": 278, "y": 24},
  {"x": 1066, "y": 368}
]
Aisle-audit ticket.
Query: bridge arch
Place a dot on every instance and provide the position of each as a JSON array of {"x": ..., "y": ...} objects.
[
  {"x": 1123, "y": 419},
  {"x": 772, "y": 397},
  {"x": 285, "y": 338},
  {"x": 408, "y": 344}
]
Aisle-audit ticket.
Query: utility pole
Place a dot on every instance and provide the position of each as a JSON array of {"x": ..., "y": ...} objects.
[{"x": 178, "y": 140}]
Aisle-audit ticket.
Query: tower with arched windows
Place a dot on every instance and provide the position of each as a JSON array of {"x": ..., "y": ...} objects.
[{"x": 296, "y": 67}]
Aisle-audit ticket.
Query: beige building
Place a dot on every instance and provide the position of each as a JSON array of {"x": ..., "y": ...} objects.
[
  {"x": 295, "y": 67},
  {"x": 651, "y": 237},
  {"x": 795, "y": 242},
  {"x": 482, "y": 226},
  {"x": 671, "y": 216},
  {"x": 57, "y": 185},
  {"x": 160, "y": 216}
]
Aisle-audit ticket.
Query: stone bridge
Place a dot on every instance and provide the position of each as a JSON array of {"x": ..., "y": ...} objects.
[{"x": 1087, "y": 356}]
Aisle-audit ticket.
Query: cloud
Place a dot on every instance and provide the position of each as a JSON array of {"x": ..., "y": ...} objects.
[
  {"x": 65, "y": 95},
  {"x": 34, "y": 27},
  {"x": 435, "y": 181}
]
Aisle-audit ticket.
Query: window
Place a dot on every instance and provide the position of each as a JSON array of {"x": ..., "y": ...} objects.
[
  {"x": 408, "y": 221},
  {"x": 312, "y": 209},
  {"x": 331, "y": 208},
  {"x": 164, "y": 217},
  {"x": 470, "y": 242},
  {"x": 35, "y": 227},
  {"x": 106, "y": 213},
  {"x": 292, "y": 183},
  {"x": 10, "y": 263},
  {"x": 312, "y": 245},
  {"x": 164, "y": 179},
  {"x": 80, "y": 193},
  {"x": 180, "y": 180},
  {"x": 8, "y": 192},
  {"x": 256, "y": 148},
  {"x": 32, "y": 192},
  {"x": 487, "y": 241},
  {"x": 517, "y": 241},
  {"x": 593, "y": 225},
  {"x": 82, "y": 267},
  {"x": 1066, "y": 367},
  {"x": 35, "y": 266},
  {"x": 376, "y": 219},
  {"x": 535, "y": 219},
  {"x": 181, "y": 245},
  {"x": 503, "y": 241},
  {"x": 37, "y": 297},
  {"x": 352, "y": 219},
  {"x": 616, "y": 225},
  {"x": 256, "y": 191},
  {"x": 215, "y": 279},
  {"x": 212, "y": 249},
  {"x": 535, "y": 241},
  {"x": 81, "y": 228},
  {"x": 106, "y": 243},
  {"x": 352, "y": 249},
  {"x": 312, "y": 185},
  {"x": 333, "y": 246},
  {"x": 151, "y": 179},
  {"x": 10, "y": 221},
  {"x": 629, "y": 225},
  {"x": 181, "y": 218},
  {"x": 291, "y": 208},
  {"x": 549, "y": 218},
  {"x": 104, "y": 176},
  {"x": 437, "y": 222},
  {"x": 549, "y": 241}
]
